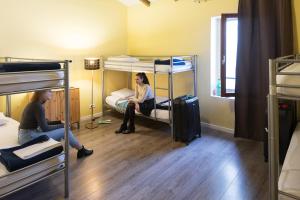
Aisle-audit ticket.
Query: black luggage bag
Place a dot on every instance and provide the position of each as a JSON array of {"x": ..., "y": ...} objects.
[
  {"x": 287, "y": 125},
  {"x": 186, "y": 118}
]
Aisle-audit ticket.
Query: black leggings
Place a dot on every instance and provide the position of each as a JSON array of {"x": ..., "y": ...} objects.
[{"x": 145, "y": 108}]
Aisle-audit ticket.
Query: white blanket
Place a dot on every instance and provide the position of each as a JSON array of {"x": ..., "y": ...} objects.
[{"x": 37, "y": 149}]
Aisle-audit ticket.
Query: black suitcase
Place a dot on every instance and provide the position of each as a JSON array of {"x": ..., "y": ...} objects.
[
  {"x": 287, "y": 125},
  {"x": 186, "y": 116}
]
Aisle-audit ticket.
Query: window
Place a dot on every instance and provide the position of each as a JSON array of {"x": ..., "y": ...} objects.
[
  {"x": 224, "y": 37},
  {"x": 229, "y": 38}
]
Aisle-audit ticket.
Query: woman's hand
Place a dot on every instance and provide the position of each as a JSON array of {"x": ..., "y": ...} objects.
[{"x": 137, "y": 107}]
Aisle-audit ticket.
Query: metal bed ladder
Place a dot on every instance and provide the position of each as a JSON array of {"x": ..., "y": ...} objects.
[{"x": 170, "y": 94}]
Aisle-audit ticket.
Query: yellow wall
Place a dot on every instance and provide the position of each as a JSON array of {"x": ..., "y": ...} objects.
[
  {"x": 296, "y": 19},
  {"x": 183, "y": 27},
  {"x": 68, "y": 29}
]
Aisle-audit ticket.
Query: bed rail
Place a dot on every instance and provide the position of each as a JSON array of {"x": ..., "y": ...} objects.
[
  {"x": 276, "y": 67},
  {"x": 65, "y": 85}
]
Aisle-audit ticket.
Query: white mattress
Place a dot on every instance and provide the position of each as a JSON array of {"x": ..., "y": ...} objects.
[
  {"x": 160, "y": 114},
  {"x": 10, "y": 181},
  {"x": 289, "y": 180},
  {"x": 290, "y": 80},
  {"x": 145, "y": 66},
  {"x": 27, "y": 81}
]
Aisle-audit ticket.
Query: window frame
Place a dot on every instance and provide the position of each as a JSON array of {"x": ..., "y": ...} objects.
[{"x": 224, "y": 18}]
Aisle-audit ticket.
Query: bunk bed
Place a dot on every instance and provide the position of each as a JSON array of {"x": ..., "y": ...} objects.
[
  {"x": 20, "y": 75},
  {"x": 284, "y": 83},
  {"x": 156, "y": 65}
]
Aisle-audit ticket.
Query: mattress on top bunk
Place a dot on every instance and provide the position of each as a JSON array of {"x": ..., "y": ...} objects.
[
  {"x": 18, "y": 67},
  {"x": 289, "y": 180},
  {"x": 160, "y": 114},
  {"x": 289, "y": 80},
  {"x": 146, "y": 66},
  {"x": 10, "y": 181},
  {"x": 30, "y": 81}
]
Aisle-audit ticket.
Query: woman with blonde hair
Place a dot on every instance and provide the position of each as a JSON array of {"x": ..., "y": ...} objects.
[{"x": 34, "y": 124}]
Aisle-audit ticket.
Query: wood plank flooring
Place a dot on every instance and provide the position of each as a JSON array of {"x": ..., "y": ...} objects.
[{"x": 148, "y": 165}]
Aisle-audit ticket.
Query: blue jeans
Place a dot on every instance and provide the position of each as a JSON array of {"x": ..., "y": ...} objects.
[{"x": 57, "y": 134}]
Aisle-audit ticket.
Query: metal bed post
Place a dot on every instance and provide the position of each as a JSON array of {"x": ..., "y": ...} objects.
[
  {"x": 194, "y": 63},
  {"x": 129, "y": 80},
  {"x": 169, "y": 101},
  {"x": 8, "y": 97},
  {"x": 8, "y": 106},
  {"x": 154, "y": 85},
  {"x": 172, "y": 98},
  {"x": 273, "y": 127},
  {"x": 103, "y": 92},
  {"x": 67, "y": 120}
]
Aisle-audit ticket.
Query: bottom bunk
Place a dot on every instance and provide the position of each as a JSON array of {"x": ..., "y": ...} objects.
[
  {"x": 11, "y": 181},
  {"x": 289, "y": 180},
  {"x": 120, "y": 104}
]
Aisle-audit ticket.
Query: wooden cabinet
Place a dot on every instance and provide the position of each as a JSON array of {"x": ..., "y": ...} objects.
[{"x": 55, "y": 107}]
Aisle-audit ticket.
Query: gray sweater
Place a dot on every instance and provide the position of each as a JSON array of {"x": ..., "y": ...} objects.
[{"x": 34, "y": 116}]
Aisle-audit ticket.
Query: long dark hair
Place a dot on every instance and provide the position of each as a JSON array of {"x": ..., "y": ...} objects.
[{"x": 143, "y": 76}]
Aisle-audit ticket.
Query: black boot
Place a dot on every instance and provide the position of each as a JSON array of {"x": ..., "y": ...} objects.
[
  {"x": 131, "y": 129},
  {"x": 83, "y": 152},
  {"x": 121, "y": 129}
]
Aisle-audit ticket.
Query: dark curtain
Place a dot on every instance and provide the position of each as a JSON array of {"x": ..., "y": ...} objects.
[{"x": 265, "y": 31}]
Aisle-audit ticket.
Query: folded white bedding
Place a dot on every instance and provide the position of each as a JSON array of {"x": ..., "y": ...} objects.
[
  {"x": 145, "y": 66},
  {"x": 36, "y": 149},
  {"x": 123, "y": 58}
]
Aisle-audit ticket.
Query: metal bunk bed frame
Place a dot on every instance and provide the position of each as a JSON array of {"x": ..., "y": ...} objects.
[
  {"x": 57, "y": 168},
  {"x": 170, "y": 88},
  {"x": 275, "y": 68}
]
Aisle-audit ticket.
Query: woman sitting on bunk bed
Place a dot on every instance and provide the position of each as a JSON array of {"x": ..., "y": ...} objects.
[
  {"x": 142, "y": 102},
  {"x": 34, "y": 124}
]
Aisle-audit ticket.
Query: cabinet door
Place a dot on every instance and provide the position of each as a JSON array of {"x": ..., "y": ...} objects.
[
  {"x": 51, "y": 107},
  {"x": 74, "y": 105}
]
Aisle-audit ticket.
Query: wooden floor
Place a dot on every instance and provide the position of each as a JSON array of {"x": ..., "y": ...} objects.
[{"x": 148, "y": 165}]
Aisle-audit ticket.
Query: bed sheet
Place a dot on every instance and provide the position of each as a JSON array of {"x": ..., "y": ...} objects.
[{"x": 160, "y": 114}]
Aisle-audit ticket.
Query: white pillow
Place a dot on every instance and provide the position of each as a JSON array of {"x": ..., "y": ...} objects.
[
  {"x": 123, "y": 93},
  {"x": 2, "y": 115}
]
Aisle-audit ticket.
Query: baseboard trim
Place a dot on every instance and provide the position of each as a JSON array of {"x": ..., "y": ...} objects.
[
  {"x": 88, "y": 117},
  {"x": 218, "y": 128}
]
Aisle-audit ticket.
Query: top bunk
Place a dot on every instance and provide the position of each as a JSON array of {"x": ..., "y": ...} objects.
[
  {"x": 285, "y": 73},
  {"x": 151, "y": 64},
  {"x": 19, "y": 75}
]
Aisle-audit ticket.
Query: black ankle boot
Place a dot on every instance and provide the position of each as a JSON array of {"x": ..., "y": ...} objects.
[
  {"x": 121, "y": 129},
  {"x": 83, "y": 152},
  {"x": 129, "y": 130}
]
